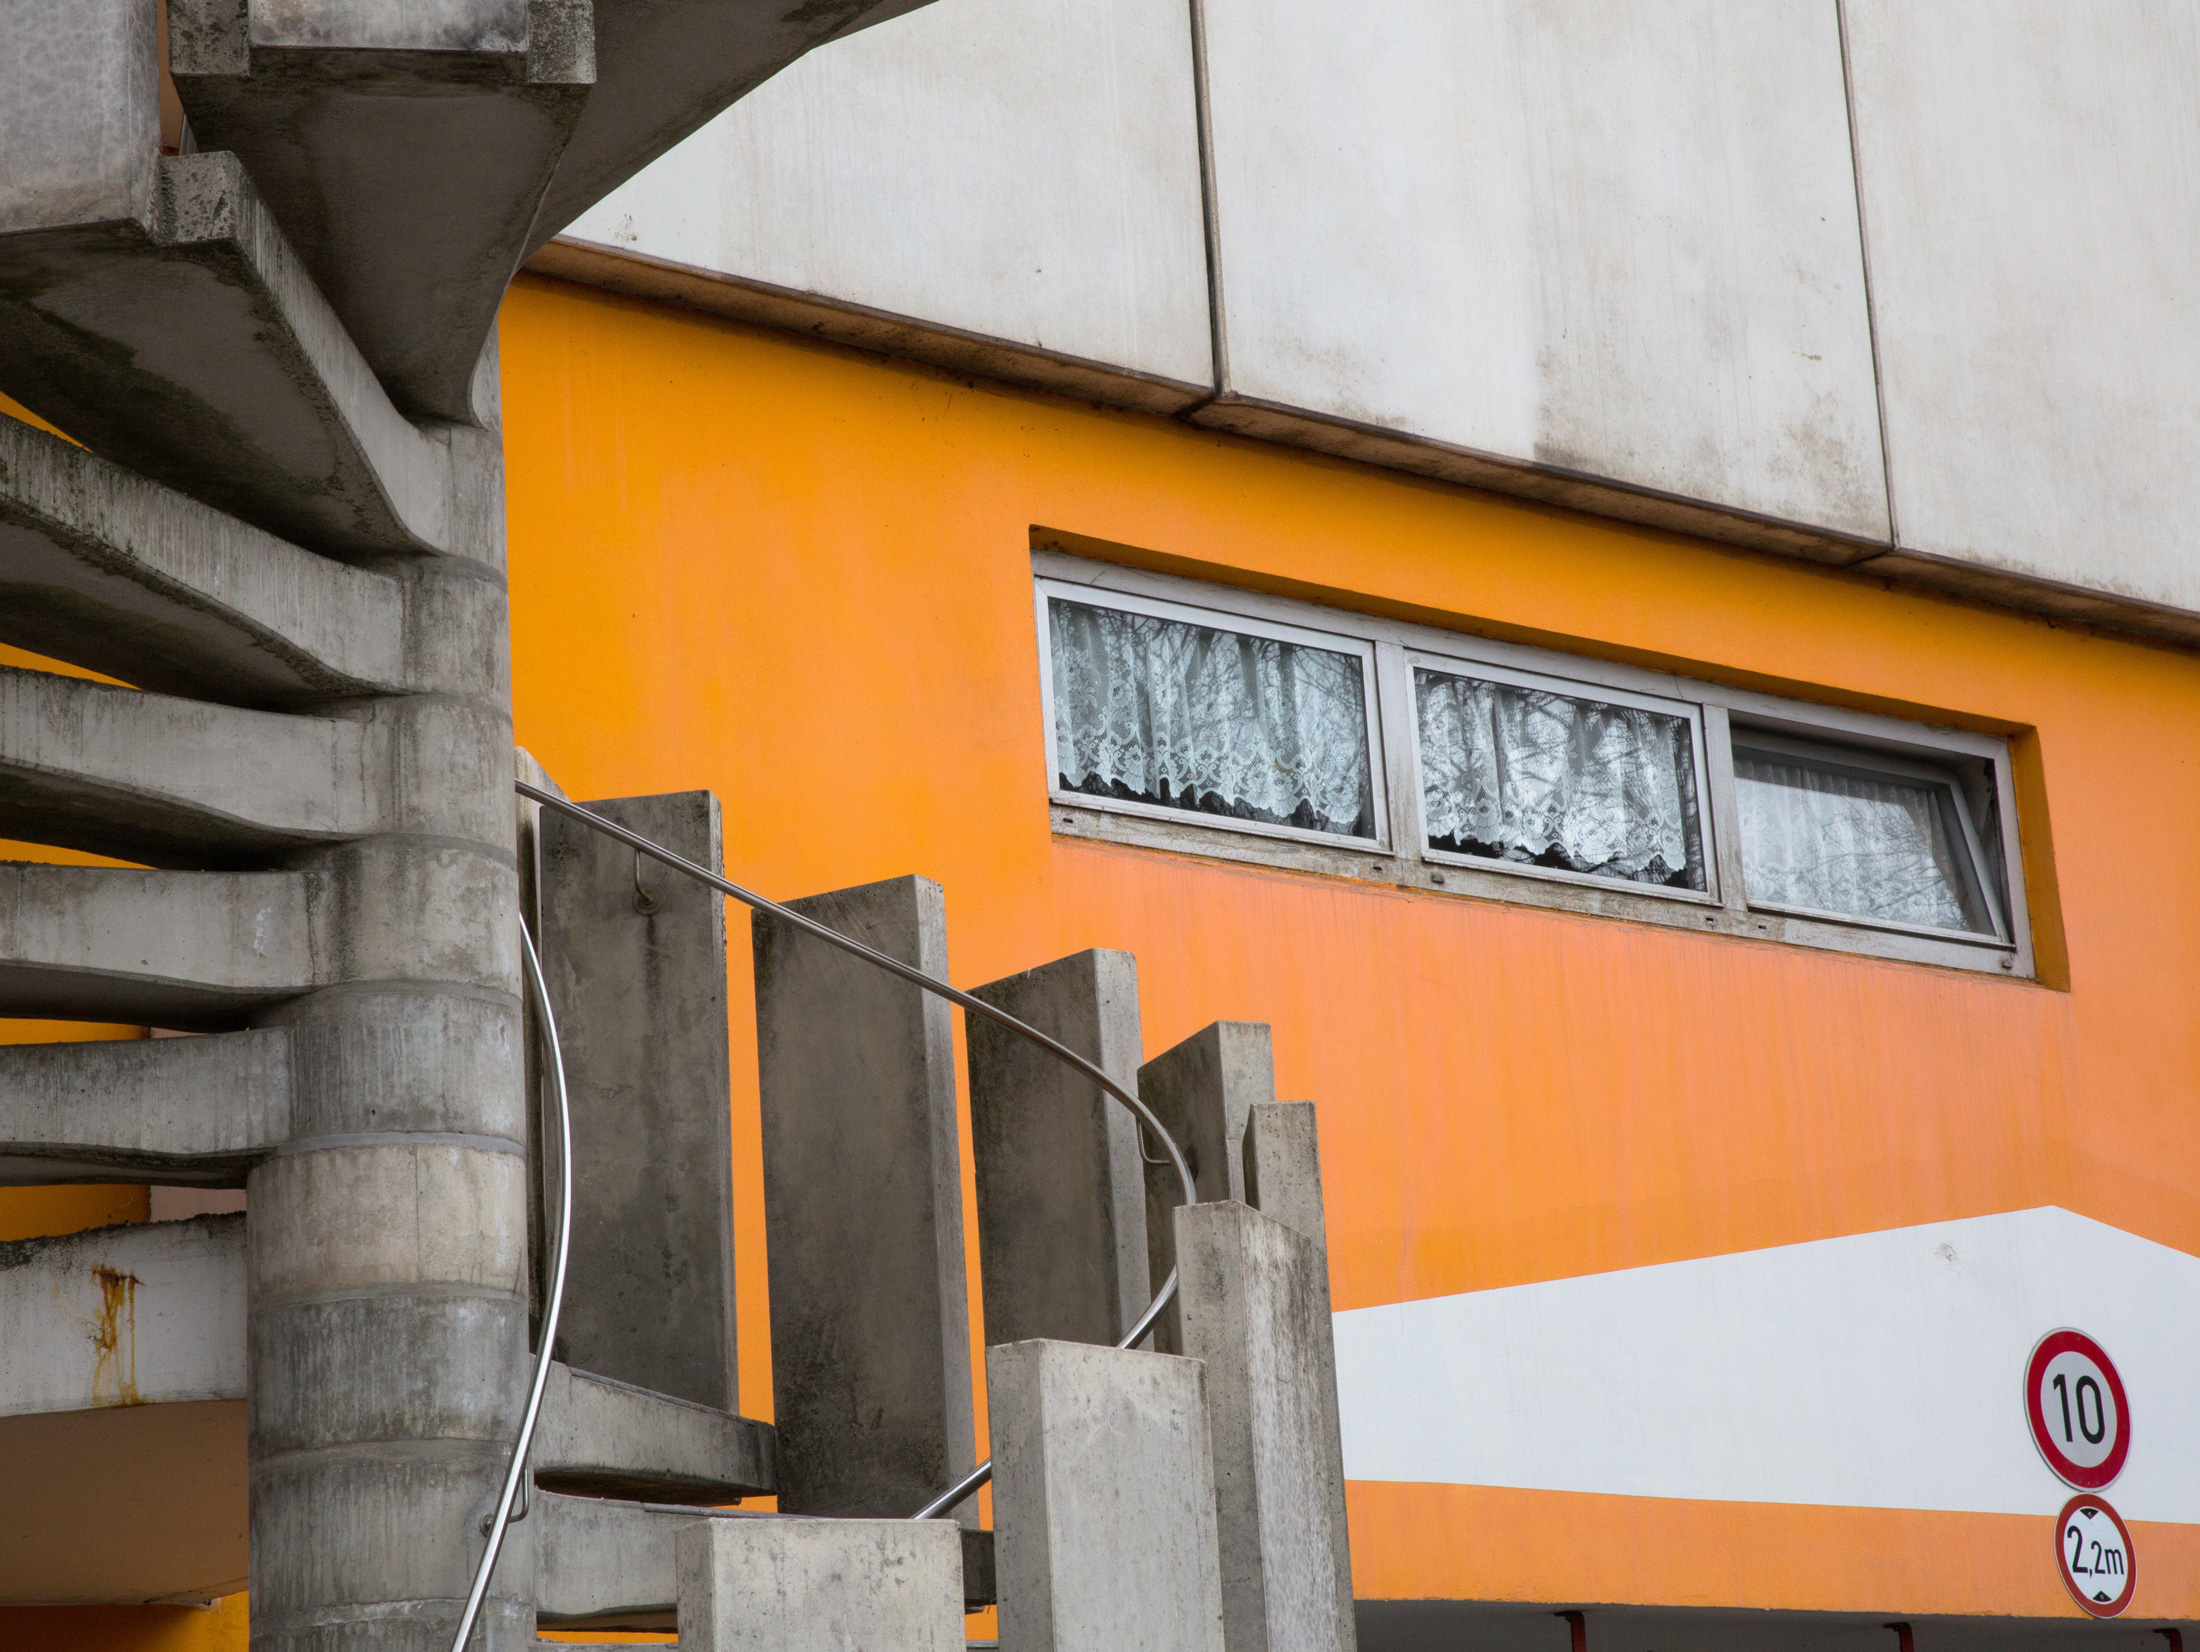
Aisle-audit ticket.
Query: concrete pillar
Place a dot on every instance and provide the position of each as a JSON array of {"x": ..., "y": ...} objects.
[
  {"x": 1283, "y": 1168},
  {"x": 820, "y": 1586},
  {"x": 636, "y": 959},
  {"x": 1256, "y": 1312},
  {"x": 863, "y": 1207},
  {"x": 1103, "y": 1500},
  {"x": 1061, "y": 1190},
  {"x": 1202, "y": 1091}
]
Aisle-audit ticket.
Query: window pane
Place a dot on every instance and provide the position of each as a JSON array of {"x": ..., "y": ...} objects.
[
  {"x": 1190, "y": 717},
  {"x": 1544, "y": 779},
  {"x": 1833, "y": 838}
]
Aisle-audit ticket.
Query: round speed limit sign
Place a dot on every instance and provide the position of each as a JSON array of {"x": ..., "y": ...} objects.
[
  {"x": 2075, "y": 1402},
  {"x": 2093, "y": 1552}
]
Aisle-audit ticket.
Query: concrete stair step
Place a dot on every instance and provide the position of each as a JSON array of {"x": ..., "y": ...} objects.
[
  {"x": 464, "y": 107},
  {"x": 603, "y": 1438},
  {"x": 169, "y": 782},
  {"x": 164, "y": 1110},
  {"x": 109, "y": 571}
]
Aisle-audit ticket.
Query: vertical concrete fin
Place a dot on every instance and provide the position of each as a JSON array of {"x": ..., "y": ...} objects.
[
  {"x": 1256, "y": 1311},
  {"x": 1103, "y": 1500},
  {"x": 863, "y": 1207},
  {"x": 1202, "y": 1091},
  {"x": 1283, "y": 1167},
  {"x": 1061, "y": 1196},
  {"x": 819, "y": 1585}
]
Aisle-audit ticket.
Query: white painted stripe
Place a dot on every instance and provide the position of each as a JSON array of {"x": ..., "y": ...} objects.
[{"x": 1882, "y": 1370}]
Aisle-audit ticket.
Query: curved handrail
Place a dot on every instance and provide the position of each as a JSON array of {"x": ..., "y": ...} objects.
[
  {"x": 971, "y": 1005},
  {"x": 513, "y": 1474}
]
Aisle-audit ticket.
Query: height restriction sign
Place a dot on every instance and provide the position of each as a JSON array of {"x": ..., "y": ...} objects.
[
  {"x": 2093, "y": 1551},
  {"x": 2075, "y": 1402}
]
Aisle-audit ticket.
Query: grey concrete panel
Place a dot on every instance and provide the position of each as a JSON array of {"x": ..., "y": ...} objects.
[
  {"x": 1016, "y": 172},
  {"x": 610, "y": 1439},
  {"x": 107, "y": 570},
  {"x": 157, "y": 1110},
  {"x": 820, "y": 1585},
  {"x": 1061, "y": 1186},
  {"x": 1256, "y": 1311},
  {"x": 863, "y": 1207},
  {"x": 79, "y": 112},
  {"x": 2031, "y": 198},
  {"x": 1103, "y": 1500},
  {"x": 169, "y": 949},
  {"x": 1283, "y": 1168},
  {"x": 194, "y": 348},
  {"x": 144, "y": 1314},
  {"x": 1203, "y": 1091},
  {"x": 602, "y": 1564},
  {"x": 635, "y": 956},
  {"x": 1618, "y": 244},
  {"x": 402, "y": 148}
]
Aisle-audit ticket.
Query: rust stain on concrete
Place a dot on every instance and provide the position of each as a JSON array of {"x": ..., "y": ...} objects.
[{"x": 114, "y": 1339}]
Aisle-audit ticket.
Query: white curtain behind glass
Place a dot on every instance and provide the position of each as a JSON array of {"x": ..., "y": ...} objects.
[
  {"x": 1161, "y": 711},
  {"x": 1870, "y": 846},
  {"x": 1524, "y": 775}
]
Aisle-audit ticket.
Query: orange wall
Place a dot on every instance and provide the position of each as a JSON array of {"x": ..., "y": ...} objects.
[{"x": 800, "y": 577}]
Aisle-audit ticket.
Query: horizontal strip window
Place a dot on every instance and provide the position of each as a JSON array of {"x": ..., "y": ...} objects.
[{"x": 1226, "y": 723}]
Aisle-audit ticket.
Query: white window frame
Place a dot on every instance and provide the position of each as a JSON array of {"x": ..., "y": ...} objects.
[
  {"x": 1220, "y": 619},
  {"x": 1399, "y": 857}
]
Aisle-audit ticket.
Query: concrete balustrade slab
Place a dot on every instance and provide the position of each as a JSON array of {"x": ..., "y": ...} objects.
[
  {"x": 604, "y": 1564},
  {"x": 605, "y": 1438},
  {"x": 1283, "y": 1168},
  {"x": 156, "y": 1110},
  {"x": 820, "y": 1585}
]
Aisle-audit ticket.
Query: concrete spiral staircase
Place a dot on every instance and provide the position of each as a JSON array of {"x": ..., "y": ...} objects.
[{"x": 279, "y": 519}]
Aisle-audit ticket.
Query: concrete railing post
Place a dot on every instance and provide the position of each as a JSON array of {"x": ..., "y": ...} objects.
[
  {"x": 863, "y": 1207},
  {"x": 1283, "y": 1167},
  {"x": 820, "y": 1586},
  {"x": 1061, "y": 1189},
  {"x": 1103, "y": 1500}
]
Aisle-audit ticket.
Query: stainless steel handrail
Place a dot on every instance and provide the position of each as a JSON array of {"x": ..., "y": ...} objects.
[
  {"x": 517, "y": 1470},
  {"x": 978, "y": 1476}
]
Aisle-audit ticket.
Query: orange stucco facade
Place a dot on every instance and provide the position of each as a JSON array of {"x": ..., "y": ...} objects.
[{"x": 801, "y": 577}]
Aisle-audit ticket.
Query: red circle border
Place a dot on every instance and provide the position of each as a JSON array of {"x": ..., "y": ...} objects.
[
  {"x": 2103, "y": 1473},
  {"x": 2122, "y": 1603}
]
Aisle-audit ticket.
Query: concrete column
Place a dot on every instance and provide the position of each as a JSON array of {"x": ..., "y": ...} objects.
[
  {"x": 820, "y": 1585},
  {"x": 1256, "y": 1311},
  {"x": 636, "y": 957},
  {"x": 863, "y": 1207},
  {"x": 1202, "y": 1091},
  {"x": 1103, "y": 1500},
  {"x": 388, "y": 1332},
  {"x": 1283, "y": 1168},
  {"x": 1061, "y": 1194}
]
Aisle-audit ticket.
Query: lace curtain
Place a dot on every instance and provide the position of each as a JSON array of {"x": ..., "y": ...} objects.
[
  {"x": 1869, "y": 846},
  {"x": 1524, "y": 775},
  {"x": 1161, "y": 711}
]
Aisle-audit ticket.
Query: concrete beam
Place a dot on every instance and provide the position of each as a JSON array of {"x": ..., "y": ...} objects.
[
  {"x": 1103, "y": 1500},
  {"x": 107, "y": 570},
  {"x": 168, "y": 1110},
  {"x": 820, "y": 1585},
  {"x": 79, "y": 112},
  {"x": 1203, "y": 1091},
  {"x": 403, "y": 149},
  {"x": 599, "y": 1437},
  {"x": 863, "y": 1207},
  {"x": 1283, "y": 1168},
  {"x": 196, "y": 950},
  {"x": 1061, "y": 1189},
  {"x": 1256, "y": 1311},
  {"x": 270, "y": 413},
  {"x": 601, "y": 1564},
  {"x": 635, "y": 957}
]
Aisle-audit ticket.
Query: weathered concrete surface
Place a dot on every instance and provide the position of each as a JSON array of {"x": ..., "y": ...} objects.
[
  {"x": 601, "y": 1564},
  {"x": 156, "y": 1110},
  {"x": 1283, "y": 1168},
  {"x": 1256, "y": 1312},
  {"x": 1004, "y": 186},
  {"x": 820, "y": 1585},
  {"x": 107, "y": 570},
  {"x": 1203, "y": 1091},
  {"x": 1061, "y": 1190},
  {"x": 144, "y": 1314},
  {"x": 1103, "y": 1500},
  {"x": 403, "y": 149},
  {"x": 79, "y": 112},
  {"x": 635, "y": 956},
  {"x": 863, "y": 1207},
  {"x": 2027, "y": 179},
  {"x": 193, "y": 347},
  {"x": 604, "y": 1438}
]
